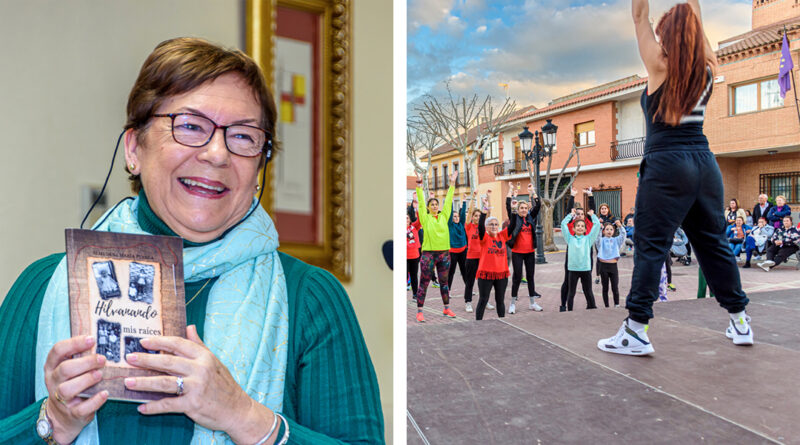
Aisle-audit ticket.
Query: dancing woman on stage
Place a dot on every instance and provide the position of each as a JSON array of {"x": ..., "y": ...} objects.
[
  {"x": 435, "y": 246},
  {"x": 522, "y": 240},
  {"x": 679, "y": 66}
]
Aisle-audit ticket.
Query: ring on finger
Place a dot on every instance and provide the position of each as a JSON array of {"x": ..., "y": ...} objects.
[
  {"x": 59, "y": 398},
  {"x": 179, "y": 382}
]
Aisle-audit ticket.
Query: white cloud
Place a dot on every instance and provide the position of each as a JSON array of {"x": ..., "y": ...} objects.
[
  {"x": 429, "y": 13},
  {"x": 481, "y": 29}
]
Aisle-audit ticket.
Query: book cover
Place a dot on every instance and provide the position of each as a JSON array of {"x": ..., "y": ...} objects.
[{"x": 123, "y": 288}]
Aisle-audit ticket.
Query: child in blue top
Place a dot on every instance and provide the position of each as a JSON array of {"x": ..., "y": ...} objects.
[
  {"x": 608, "y": 247},
  {"x": 579, "y": 262}
]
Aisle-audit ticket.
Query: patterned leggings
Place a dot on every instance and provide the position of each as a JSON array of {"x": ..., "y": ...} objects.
[{"x": 438, "y": 260}]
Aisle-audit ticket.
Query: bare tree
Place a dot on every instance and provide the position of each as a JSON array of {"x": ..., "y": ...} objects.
[
  {"x": 550, "y": 196},
  {"x": 467, "y": 125},
  {"x": 420, "y": 144}
]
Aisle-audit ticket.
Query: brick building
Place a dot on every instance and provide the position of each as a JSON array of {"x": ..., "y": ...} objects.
[{"x": 753, "y": 132}]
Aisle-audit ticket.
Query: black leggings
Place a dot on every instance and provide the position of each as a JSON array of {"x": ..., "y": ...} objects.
[
  {"x": 469, "y": 278},
  {"x": 565, "y": 284},
  {"x": 484, "y": 289},
  {"x": 586, "y": 284},
  {"x": 517, "y": 260},
  {"x": 609, "y": 272},
  {"x": 457, "y": 259},
  {"x": 669, "y": 269},
  {"x": 413, "y": 271}
]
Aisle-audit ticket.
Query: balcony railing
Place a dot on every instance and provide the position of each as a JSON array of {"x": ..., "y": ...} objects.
[
  {"x": 443, "y": 182},
  {"x": 626, "y": 149},
  {"x": 511, "y": 167}
]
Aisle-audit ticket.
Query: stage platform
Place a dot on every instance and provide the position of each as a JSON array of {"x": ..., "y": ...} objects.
[{"x": 531, "y": 380}]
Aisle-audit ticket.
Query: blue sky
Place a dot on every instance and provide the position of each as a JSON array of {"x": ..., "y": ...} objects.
[{"x": 542, "y": 49}]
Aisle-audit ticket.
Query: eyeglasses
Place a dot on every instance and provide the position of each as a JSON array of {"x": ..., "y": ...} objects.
[{"x": 196, "y": 131}]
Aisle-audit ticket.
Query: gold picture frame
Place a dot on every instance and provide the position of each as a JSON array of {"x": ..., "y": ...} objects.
[{"x": 331, "y": 249}]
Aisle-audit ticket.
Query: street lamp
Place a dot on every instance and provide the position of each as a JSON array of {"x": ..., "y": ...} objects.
[{"x": 537, "y": 153}]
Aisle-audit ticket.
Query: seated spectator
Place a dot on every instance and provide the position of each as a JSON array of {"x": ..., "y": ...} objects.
[
  {"x": 680, "y": 247},
  {"x": 736, "y": 234},
  {"x": 781, "y": 209},
  {"x": 733, "y": 212},
  {"x": 629, "y": 230},
  {"x": 761, "y": 208},
  {"x": 757, "y": 240},
  {"x": 749, "y": 220},
  {"x": 785, "y": 242},
  {"x": 628, "y": 216}
]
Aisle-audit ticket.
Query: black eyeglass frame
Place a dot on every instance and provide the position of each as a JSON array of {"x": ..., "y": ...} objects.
[{"x": 264, "y": 149}]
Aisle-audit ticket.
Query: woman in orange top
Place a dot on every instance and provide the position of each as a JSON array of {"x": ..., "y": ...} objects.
[
  {"x": 473, "y": 254},
  {"x": 522, "y": 240},
  {"x": 493, "y": 265}
]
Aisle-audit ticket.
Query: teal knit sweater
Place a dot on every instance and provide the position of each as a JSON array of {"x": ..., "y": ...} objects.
[{"x": 331, "y": 391}]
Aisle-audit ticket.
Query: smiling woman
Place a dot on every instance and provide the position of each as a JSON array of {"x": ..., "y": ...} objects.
[{"x": 262, "y": 356}]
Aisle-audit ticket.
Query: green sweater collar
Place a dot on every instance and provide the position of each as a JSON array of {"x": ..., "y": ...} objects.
[{"x": 151, "y": 223}]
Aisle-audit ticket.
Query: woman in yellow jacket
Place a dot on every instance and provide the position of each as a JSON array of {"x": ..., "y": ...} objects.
[{"x": 435, "y": 246}]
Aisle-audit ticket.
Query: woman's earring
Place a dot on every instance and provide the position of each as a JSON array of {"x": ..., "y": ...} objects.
[
  {"x": 131, "y": 166},
  {"x": 258, "y": 187}
]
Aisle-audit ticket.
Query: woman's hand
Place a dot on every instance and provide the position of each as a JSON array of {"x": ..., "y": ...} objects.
[
  {"x": 453, "y": 177},
  {"x": 531, "y": 191},
  {"x": 588, "y": 191},
  {"x": 510, "y": 191},
  {"x": 211, "y": 397},
  {"x": 419, "y": 180},
  {"x": 65, "y": 378},
  {"x": 573, "y": 192}
]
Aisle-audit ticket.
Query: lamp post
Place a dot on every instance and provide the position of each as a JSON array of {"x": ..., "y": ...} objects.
[{"x": 537, "y": 153}]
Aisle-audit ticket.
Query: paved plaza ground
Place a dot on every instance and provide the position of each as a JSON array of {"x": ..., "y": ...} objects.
[
  {"x": 538, "y": 377},
  {"x": 548, "y": 278}
]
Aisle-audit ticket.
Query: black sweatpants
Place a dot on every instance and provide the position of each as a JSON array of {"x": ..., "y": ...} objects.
[
  {"x": 565, "y": 284},
  {"x": 457, "y": 259},
  {"x": 517, "y": 261},
  {"x": 609, "y": 273},
  {"x": 413, "y": 270},
  {"x": 484, "y": 289},
  {"x": 586, "y": 284},
  {"x": 691, "y": 199},
  {"x": 779, "y": 254},
  {"x": 469, "y": 278}
]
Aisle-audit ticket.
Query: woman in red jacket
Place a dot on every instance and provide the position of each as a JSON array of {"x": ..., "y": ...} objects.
[
  {"x": 473, "y": 254},
  {"x": 493, "y": 264}
]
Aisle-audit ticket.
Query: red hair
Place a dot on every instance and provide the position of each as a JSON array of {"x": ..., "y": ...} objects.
[{"x": 681, "y": 36}]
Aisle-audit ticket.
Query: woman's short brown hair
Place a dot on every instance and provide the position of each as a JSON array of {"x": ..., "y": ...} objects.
[{"x": 179, "y": 65}]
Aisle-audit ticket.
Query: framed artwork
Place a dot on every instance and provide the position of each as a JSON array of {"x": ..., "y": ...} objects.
[{"x": 303, "y": 47}]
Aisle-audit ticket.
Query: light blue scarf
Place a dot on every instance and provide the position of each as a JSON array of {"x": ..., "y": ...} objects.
[{"x": 246, "y": 324}]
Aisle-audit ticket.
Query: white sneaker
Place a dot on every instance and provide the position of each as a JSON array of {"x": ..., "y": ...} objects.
[
  {"x": 616, "y": 305},
  {"x": 535, "y": 307},
  {"x": 627, "y": 341},
  {"x": 764, "y": 265},
  {"x": 468, "y": 307},
  {"x": 512, "y": 309},
  {"x": 740, "y": 332},
  {"x": 489, "y": 305}
]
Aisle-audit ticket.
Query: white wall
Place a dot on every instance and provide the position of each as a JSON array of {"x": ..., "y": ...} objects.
[{"x": 67, "y": 70}]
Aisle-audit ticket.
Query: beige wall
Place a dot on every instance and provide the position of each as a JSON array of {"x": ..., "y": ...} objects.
[
  {"x": 67, "y": 71},
  {"x": 371, "y": 288}
]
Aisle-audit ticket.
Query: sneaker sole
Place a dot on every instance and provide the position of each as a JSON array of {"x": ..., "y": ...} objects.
[{"x": 643, "y": 350}]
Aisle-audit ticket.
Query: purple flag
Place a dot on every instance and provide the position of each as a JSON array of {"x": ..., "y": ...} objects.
[{"x": 784, "y": 75}]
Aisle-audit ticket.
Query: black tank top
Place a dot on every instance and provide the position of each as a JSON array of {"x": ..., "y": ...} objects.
[{"x": 688, "y": 134}]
